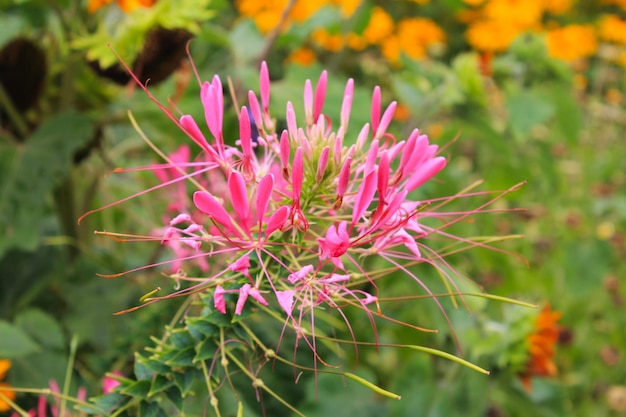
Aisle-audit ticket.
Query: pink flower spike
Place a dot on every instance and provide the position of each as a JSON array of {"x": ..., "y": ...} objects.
[
  {"x": 346, "y": 105},
  {"x": 320, "y": 94},
  {"x": 181, "y": 218},
  {"x": 245, "y": 134},
  {"x": 218, "y": 299},
  {"x": 364, "y": 196},
  {"x": 276, "y": 220},
  {"x": 297, "y": 173},
  {"x": 263, "y": 195},
  {"x": 239, "y": 195},
  {"x": 255, "y": 109},
  {"x": 264, "y": 81},
  {"x": 425, "y": 172},
  {"x": 385, "y": 120},
  {"x": 256, "y": 295},
  {"x": 322, "y": 163},
  {"x": 285, "y": 300},
  {"x": 308, "y": 102},
  {"x": 244, "y": 291},
  {"x": 109, "y": 383},
  {"x": 375, "y": 113},
  {"x": 207, "y": 204}
]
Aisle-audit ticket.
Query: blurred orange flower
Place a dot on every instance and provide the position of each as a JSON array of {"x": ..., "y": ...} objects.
[
  {"x": 5, "y": 365},
  {"x": 522, "y": 14},
  {"x": 572, "y": 42},
  {"x": 541, "y": 346},
  {"x": 126, "y": 5},
  {"x": 302, "y": 56},
  {"x": 380, "y": 26},
  {"x": 416, "y": 34},
  {"x": 557, "y": 6},
  {"x": 491, "y": 35},
  {"x": 612, "y": 29}
]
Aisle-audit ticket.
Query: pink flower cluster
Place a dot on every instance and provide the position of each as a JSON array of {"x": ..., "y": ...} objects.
[{"x": 285, "y": 218}]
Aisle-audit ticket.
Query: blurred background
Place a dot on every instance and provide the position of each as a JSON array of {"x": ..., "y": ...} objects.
[{"x": 516, "y": 90}]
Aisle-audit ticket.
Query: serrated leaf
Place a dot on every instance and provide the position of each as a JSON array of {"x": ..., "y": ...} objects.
[
  {"x": 137, "y": 389},
  {"x": 183, "y": 358},
  {"x": 149, "y": 409},
  {"x": 200, "y": 328},
  {"x": 32, "y": 170},
  {"x": 149, "y": 366},
  {"x": 41, "y": 327},
  {"x": 181, "y": 338},
  {"x": 15, "y": 342},
  {"x": 205, "y": 350},
  {"x": 107, "y": 403},
  {"x": 160, "y": 383},
  {"x": 184, "y": 381},
  {"x": 174, "y": 395}
]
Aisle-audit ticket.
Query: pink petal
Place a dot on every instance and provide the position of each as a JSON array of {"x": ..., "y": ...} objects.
[
  {"x": 245, "y": 134},
  {"x": 263, "y": 194},
  {"x": 255, "y": 109},
  {"x": 181, "y": 218},
  {"x": 425, "y": 172},
  {"x": 256, "y": 295},
  {"x": 383, "y": 176},
  {"x": 372, "y": 155},
  {"x": 207, "y": 204},
  {"x": 320, "y": 94},
  {"x": 300, "y": 274},
  {"x": 277, "y": 220},
  {"x": 322, "y": 163},
  {"x": 243, "y": 297},
  {"x": 285, "y": 149},
  {"x": 297, "y": 173},
  {"x": 239, "y": 195},
  {"x": 191, "y": 128},
  {"x": 292, "y": 125},
  {"x": 241, "y": 265},
  {"x": 346, "y": 105},
  {"x": 218, "y": 299},
  {"x": 375, "y": 112},
  {"x": 364, "y": 196},
  {"x": 360, "y": 140},
  {"x": 285, "y": 300},
  {"x": 344, "y": 178},
  {"x": 385, "y": 120},
  {"x": 264, "y": 81},
  {"x": 308, "y": 102},
  {"x": 109, "y": 383}
]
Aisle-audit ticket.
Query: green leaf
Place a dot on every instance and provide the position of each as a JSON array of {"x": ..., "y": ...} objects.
[
  {"x": 183, "y": 358},
  {"x": 184, "y": 381},
  {"x": 149, "y": 409},
  {"x": 568, "y": 114},
  {"x": 32, "y": 170},
  {"x": 181, "y": 338},
  {"x": 41, "y": 327},
  {"x": 201, "y": 328},
  {"x": 107, "y": 403},
  {"x": 137, "y": 389},
  {"x": 160, "y": 383},
  {"x": 205, "y": 350},
  {"x": 174, "y": 395},
  {"x": 15, "y": 342}
]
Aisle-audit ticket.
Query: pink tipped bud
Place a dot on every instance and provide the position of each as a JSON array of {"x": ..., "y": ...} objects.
[
  {"x": 383, "y": 176},
  {"x": 346, "y": 105},
  {"x": 364, "y": 196},
  {"x": 322, "y": 163},
  {"x": 297, "y": 173},
  {"x": 109, "y": 383},
  {"x": 372, "y": 155},
  {"x": 344, "y": 178},
  {"x": 375, "y": 113},
  {"x": 263, "y": 195},
  {"x": 255, "y": 109},
  {"x": 320, "y": 94},
  {"x": 207, "y": 204},
  {"x": 360, "y": 140},
  {"x": 238, "y": 195},
  {"x": 308, "y": 102},
  {"x": 218, "y": 299},
  {"x": 292, "y": 125},
  {"x": 277, "y": 220},
  {"x": 285, "y": 150},
  {"x": 264, "y": 80},
  {"x": 385, "y": 120},
  {"x": 245, "y": 134},
  {"x": 191, "y": 128}
]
